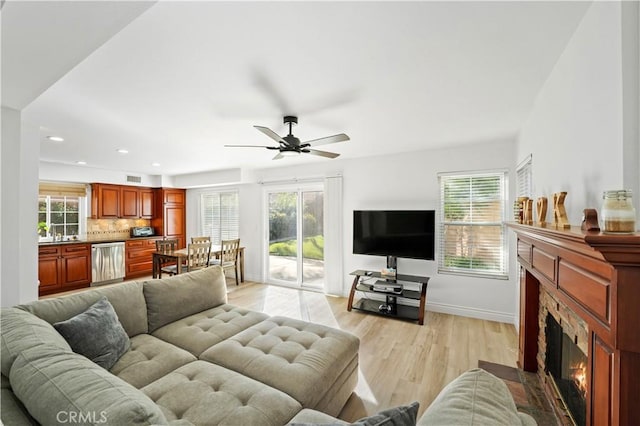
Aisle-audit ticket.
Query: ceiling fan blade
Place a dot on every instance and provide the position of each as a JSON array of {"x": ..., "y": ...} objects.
[
  {"x": 325, "y": 154},
  {"x": 327, "y": 140},
  {"x": 278, "y": 156},
  {"x": 273, "y": 135},
  {"x": 265, "y": 82},
  {"x": 251, "y": 146}
]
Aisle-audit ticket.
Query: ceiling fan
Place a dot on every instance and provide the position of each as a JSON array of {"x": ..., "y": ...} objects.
[{"x": 290, "y": 145}]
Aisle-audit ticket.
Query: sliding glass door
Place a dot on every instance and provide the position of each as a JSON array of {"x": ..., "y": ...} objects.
[{"x": 295, "y": 240}]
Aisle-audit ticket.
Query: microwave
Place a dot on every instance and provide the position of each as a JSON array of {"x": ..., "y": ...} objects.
[{"x": 142, "y": 231}]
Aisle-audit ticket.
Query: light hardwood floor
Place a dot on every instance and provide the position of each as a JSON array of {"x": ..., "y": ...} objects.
[{"x": 400, "y": 361}]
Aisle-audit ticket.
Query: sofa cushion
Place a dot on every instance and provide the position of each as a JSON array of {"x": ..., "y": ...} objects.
[
  {"x": 177, "y": 297},
  {"x": 54, "y": 386},
  {"x": 96, "y": 333},
  {"x": 307, "y": 416},
  {"x": 12, "y": 412},
  {"x": 289, "y": 355},
  {"x": 476, "y": 397},
  {"x": 198, "y": 332},
  {"x": 204, "y": 393},
  {"x": 148, "y": 359},
  {"x": 404, "y": 415},
  {"x": 127, "y": 300},
  {"x": 21, "y": 331}
]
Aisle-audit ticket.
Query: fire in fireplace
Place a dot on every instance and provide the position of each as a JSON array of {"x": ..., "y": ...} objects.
[{"x": 567, "y": 364}]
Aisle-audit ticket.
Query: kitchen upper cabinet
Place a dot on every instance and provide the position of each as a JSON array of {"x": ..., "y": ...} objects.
[
  {"x": 121, "y": 201},
  {"x": 146, "y": 203},
  {"x": 105, "y": 201},
  {"x": 130, "y": 202}
]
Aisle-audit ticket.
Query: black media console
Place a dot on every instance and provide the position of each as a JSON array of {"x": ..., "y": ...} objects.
[{"x": 365, "y": 282}]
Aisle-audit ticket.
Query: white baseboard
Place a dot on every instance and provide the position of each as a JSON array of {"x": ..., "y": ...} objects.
[{"x": 443, "y": 308}]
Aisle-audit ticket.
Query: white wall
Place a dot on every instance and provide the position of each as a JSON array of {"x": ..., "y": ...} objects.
[
  {"x": 82, "y": 174},
  {"x": 402, "y": 181},
  {"x": 19, "y": 187},
  {"x": 575, "y": 130},
  {"x": 213, "y": 177},
  {"x": 630, "y": 12}
]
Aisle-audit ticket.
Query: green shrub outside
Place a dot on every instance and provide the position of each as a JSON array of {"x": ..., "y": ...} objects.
[
  {"x": 313, "y": 248},
  {"x": 466, "y": 263}
]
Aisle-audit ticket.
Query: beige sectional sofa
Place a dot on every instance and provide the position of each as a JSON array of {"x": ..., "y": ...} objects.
[{"x": 193, "y": 359}]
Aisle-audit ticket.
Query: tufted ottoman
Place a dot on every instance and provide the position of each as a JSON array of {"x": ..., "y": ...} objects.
[
  {"x": 302, "y": 359},
  {"x": 200, "y": 331},
  {"x": 202, "y": 393},
  {"x": 148, "y": 359}
]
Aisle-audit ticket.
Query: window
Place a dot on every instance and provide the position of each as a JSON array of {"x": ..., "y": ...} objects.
[
  {"x": 524, "y": 187},
  {"x": 60, "y": 214},
  {"x": 220, "y": 216},
  {"x": 472, "y": 232}
]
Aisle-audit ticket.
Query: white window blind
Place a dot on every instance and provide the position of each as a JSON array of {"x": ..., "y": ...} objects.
[
  {"x": 220, "y": 216},
  {"x": 524, "y": 184},
  {"x": 473, "y": 238}
]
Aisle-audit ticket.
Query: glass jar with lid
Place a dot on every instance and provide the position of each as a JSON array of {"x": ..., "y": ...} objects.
[{"x": 618, "y": 213}]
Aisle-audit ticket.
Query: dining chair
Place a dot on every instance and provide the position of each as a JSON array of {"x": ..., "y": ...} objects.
[
  {"x": 200, "y": 239},
  {"x": 168, "y": 244},
  {"x": 229, "y": 252},
  {"x": 197, "y": 258}
]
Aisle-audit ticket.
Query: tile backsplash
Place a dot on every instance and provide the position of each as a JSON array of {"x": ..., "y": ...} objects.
[{"x": 110, "y": 229}]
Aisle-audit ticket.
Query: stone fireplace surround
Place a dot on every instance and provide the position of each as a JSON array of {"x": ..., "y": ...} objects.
[
  {"x": 572, "y": 325},
  {"x": 594, "y": 280}
]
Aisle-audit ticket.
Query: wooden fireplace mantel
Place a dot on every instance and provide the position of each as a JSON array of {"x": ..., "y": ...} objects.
[{"x": 598, "y": 277}]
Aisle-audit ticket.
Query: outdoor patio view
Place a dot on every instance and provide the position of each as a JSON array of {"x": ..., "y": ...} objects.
[{"x": 284, "y": 262}]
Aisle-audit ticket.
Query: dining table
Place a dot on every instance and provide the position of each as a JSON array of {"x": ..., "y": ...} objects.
[{"x": 179, "y": 258}]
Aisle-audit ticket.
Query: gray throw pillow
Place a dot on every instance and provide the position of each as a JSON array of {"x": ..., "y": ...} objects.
[
  {"x": 96, "y": 333},
  {"x": 405, "y": 415}
]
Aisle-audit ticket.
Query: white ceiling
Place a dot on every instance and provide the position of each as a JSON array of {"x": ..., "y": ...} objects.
[{"x": 185, "y": 78}]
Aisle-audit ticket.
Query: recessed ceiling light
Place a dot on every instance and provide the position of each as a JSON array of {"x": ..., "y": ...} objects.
[
  {"x": 81, "y": 162},
  {"x": 55, "y": 138},
  {"x": 155, "y": 164},
  {"x": 123, "y": 151}
]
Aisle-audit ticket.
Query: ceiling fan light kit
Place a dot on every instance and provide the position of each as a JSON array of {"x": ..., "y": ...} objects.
[{"x": 290, "y": 145}]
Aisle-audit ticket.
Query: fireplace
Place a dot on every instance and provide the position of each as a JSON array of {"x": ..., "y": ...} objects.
[
  {"x": 567, "y": 365},
  {"x": 590, "y": 284}
]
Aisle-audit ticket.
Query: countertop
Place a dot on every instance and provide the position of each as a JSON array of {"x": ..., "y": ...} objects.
[{"x": 115, "y": 240}]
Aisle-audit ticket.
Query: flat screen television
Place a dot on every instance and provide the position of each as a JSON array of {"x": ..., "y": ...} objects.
[{"x": 399, "y": 233}]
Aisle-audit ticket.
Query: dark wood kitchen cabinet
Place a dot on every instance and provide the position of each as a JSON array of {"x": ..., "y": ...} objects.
[
  {"x": 129, "y": 202},
  {"x": 138, "y": 260},
  {"x": 170, "y": 214},
  {"x": 146, "y": 203},
  {"x": 105, "y": 201},
  {"x": 63, "y": 267},
  {"x": 121, "y": 201}
]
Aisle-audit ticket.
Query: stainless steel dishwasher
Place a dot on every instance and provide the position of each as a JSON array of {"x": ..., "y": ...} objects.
[{"x": 107, "y": 263}]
